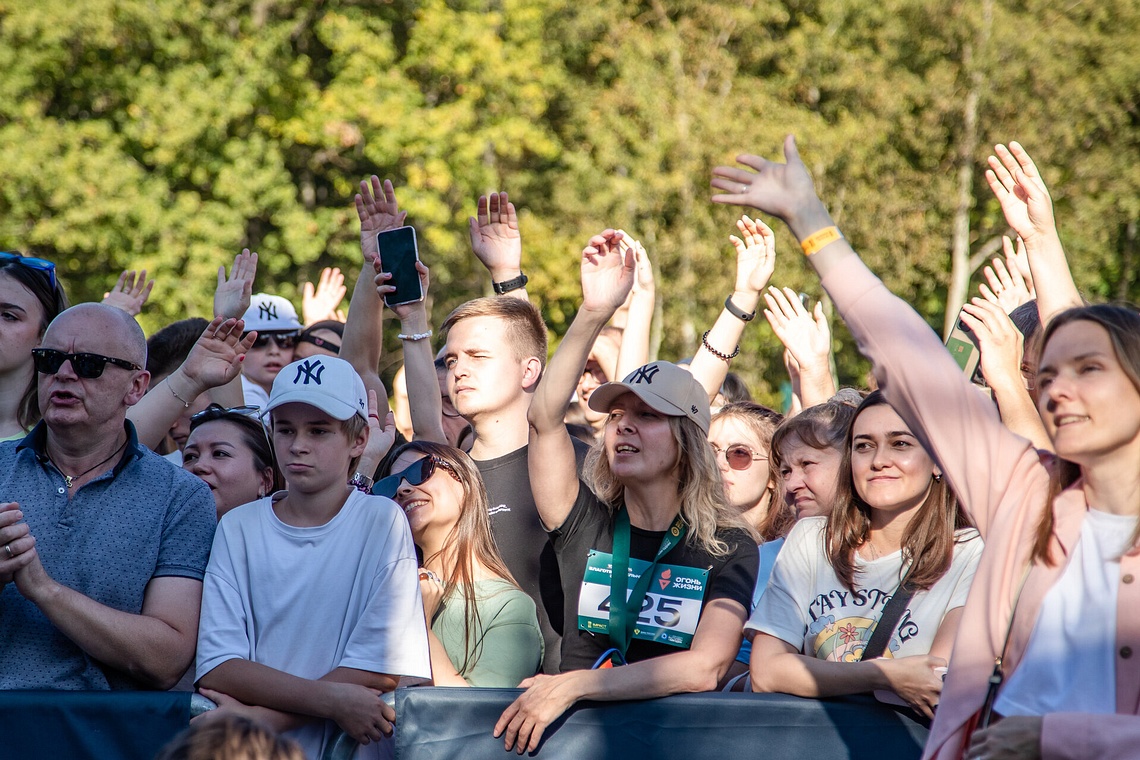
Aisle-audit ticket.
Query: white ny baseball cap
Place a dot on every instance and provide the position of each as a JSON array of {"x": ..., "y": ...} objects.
[
  {"x": 326, "y": 382},
  {"x": 268, "y": 313}
]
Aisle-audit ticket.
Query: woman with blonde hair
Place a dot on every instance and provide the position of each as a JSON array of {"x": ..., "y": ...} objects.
[
  {"x": 482, "y": 628},
  {"x": 651, "y": 529}
]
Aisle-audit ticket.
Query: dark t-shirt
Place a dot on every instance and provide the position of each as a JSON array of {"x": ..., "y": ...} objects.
[
  {"x": 591, "y": 526},
  {"x": 523, "y": 542}
]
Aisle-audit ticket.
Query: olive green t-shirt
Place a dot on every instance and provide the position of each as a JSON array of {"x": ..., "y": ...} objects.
[{"x": 507, "y": 640}]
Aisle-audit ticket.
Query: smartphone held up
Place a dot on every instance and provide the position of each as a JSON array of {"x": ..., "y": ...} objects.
[{"x": 398, "y": 256}]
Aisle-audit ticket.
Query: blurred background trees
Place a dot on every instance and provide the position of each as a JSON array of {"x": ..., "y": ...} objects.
[{"x": 169, "y": 134}]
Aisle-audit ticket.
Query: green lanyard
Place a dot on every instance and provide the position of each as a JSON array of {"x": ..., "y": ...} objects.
[{"x": 623, "y": 612}]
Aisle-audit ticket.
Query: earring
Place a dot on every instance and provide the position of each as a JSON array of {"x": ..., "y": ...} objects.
[{"x": 937, "y": 477}]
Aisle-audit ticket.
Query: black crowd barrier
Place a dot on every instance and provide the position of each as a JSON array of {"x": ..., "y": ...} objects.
[
  {"x": 440, "y": 723},
  {"x": 456, "y": 723}
]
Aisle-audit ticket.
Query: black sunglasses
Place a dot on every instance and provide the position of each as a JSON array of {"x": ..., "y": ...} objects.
[
  {"x": 738, "y": 456},
  {"x": 40, "y": 265},
  {"x": 284, "y": 341},
  {"x": 218, "y": 412},
  {"x": 417, "y": 473},
  {"x": 88, "y": 366}
]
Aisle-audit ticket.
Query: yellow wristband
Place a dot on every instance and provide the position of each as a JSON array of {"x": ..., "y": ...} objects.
[{"x": 817, "y": 240}]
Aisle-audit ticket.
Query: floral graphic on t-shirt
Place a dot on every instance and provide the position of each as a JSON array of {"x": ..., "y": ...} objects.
[{"x": 848, "y": 633}]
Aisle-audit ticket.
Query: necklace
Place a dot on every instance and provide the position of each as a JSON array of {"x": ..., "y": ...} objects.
[{"x": 69, "y": 479}]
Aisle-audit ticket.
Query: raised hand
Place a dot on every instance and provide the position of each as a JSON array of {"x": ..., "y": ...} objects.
[
  {"x": 805, "y": 334},
  {"x": 783, "y": 190},
  {"x": 755, "y": 255},
  {"x": 130, "y": 292},
  {"x": 1024, "y": 198},
  {"x": 381, "y": 435},
  {"x": 231, "y": 297},
  {"x": 404, "y": 310},
  {"x": 378, "y": 211},
  {"x": 1006, "y": 287},
  {"x": 495, "y": 236},
  {"x": 607, "y": 272},
  {"x": 323, "y": 301},
  {"x": 643, "y": 280},
  {"x": 1000, "y": 342},
  {"x": 216, "y": 356},
  {"x": 1017, "y": 262}
]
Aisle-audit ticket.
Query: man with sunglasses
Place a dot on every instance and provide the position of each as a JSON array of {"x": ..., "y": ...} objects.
[
  {"x": 275, "y": 321},
  {"x": 103, "y": 545}
]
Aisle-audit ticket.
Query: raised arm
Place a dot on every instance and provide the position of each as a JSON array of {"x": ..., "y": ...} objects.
[
  {"x": 1024, "y": 198},
  {"x": 755, "y": 262},
  {"x": 607, "y": 276},
  {"x": 213, "y": 362},
  {"x": 363, "y": 340},
  {"x": 955, "y": 422},
  {"x": 1002, "y": 352},
  {"x": 807, "y": 337},
  {"x": 634, "y": 350},
  {"x": 496, "y": 241}
]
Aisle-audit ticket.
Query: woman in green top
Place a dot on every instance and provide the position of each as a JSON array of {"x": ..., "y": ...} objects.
[{"x": 482, "y": 629}]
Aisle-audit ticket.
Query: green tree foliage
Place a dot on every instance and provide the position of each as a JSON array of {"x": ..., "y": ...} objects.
[{"x": 170, "y": 134}]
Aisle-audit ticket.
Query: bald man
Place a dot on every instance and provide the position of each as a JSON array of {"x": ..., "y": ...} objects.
[{"x": 103, "y": 544}]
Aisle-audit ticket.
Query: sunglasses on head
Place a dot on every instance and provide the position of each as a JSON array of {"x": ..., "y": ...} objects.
[
  {"x": 41, "y": 265},
  {"x": 738, "y": 456},
  {"x": 88, "y": 366},
  {"x": 417, "y": 473},
  {"x": 284, "y": 341},
  {"x": 219, "y": 412}
]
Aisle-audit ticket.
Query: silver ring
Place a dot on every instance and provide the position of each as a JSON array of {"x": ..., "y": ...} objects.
[
  {"x": 8, "y": 548},
  {"x": 743, "y": 189}
]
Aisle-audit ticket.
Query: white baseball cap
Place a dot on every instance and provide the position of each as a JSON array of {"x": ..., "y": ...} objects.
[
  {"x": 268, "y": 313},
  {"x": 326, "y": 382}
]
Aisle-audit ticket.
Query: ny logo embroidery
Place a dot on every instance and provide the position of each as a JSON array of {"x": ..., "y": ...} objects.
[
  {"x": 312, "y": 369},
  {"x": 267, "y": 310},
  {"x": 645, "y": 374}
]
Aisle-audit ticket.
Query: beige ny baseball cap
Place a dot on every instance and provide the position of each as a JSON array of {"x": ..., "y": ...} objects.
[{"x": 665, "y": 387}]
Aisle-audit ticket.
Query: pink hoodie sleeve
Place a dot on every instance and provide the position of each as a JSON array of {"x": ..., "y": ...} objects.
[{"x": 956, "y": 423}]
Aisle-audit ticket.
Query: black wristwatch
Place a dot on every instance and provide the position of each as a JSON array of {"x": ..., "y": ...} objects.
[
  {"x": 361, "y": 482},
  {"x": 509, "y": 285},
  {"x": 738, "y": 312}
]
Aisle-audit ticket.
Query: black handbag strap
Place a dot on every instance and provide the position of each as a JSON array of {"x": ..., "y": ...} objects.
[{"x": 889, "y": 620}]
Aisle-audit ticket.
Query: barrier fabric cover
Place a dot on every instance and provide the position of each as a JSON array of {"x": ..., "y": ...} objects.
[
  {"x": 440, "y": 723},
  {"x": 115, "y": 725}
]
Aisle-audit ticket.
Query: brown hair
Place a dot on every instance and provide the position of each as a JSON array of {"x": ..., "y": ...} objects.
[
  {"x": 230, "y": 738},
  {"x": 700, "y": 490},
  {"x": 929, "y": 539},
  {"x": 822, "y": 427},
  {"x": 763, "y": 422},
  {"x": 525, "y": 329},
  {"x": 470, "y": 538},
  {"x": 53, "y": 301},
  {"x": 1122, "y": 323}
]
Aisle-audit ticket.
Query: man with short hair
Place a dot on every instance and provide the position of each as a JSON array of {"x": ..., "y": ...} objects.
[
  {"x": 495, "y": 354},
  {"x": 103, "y": 545}
]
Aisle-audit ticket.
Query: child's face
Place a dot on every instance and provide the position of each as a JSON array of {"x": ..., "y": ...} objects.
[{"x": 312, "y": 449}]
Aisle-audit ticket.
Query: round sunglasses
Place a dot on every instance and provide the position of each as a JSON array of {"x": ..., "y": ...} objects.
[
  {"x": 417, "y": 473},
  {"x": 48, "y": 361},
  {"x": 738, "y": 456}
]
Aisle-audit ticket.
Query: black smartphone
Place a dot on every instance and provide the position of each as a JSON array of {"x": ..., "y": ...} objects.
[{"x": 398, "y": 256}]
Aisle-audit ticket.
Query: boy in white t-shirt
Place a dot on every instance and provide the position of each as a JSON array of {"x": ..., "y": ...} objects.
[{"x": 311, "y": 604}]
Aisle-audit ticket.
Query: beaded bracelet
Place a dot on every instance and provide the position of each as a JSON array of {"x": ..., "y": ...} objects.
[
  {"x": 415, "y": 336},
  {"x": 714, "y": 352}
]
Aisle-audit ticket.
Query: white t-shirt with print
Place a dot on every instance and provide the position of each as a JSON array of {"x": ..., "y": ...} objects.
[{"x": 807, "y": 606}]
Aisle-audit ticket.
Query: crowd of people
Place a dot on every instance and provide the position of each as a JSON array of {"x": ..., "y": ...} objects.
[{"x": 231, "y": 506}]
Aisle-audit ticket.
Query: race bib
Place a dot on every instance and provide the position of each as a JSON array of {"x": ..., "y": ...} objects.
[{"x": 670, "y": 610}]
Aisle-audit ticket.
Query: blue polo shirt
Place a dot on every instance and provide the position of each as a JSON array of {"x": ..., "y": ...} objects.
[{"x": 143, "y": 519}]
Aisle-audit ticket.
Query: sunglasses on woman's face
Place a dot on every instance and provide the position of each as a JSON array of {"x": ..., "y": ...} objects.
[
  {"x": 738, "y": 456},
  {"x": 417, "y": 473},
  {"x": 48, "y": 361}
]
